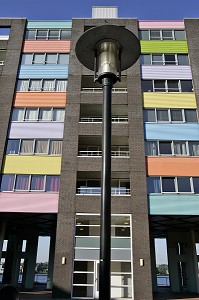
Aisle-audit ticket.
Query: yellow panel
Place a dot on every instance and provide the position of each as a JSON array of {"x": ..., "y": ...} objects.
[
  {"x": 164, "y": 46},
  {"x": 32, "y": 165},
  {"x": 169, "y": 100}
]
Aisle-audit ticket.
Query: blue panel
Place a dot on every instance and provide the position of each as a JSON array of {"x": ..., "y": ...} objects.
[
  {"x": 185, "y": 131},
  {"x": 43, "y": 71},
  {"x": 49, "y": 24},
  {"x": 174, "y": 204}
]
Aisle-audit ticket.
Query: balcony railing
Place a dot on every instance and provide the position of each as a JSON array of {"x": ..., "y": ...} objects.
[
  {"x": 97, "y": 191},
  {"x": 99, "y": 90},
  {"x": 99, "y": 120},
  {"x": 99, "y": 153}
]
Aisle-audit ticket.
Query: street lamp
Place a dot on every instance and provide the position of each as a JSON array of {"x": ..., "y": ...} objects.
[{"x": 107, "y": 50}]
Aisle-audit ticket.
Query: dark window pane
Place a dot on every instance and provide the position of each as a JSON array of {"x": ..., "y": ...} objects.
[
  {"x": 153, "y": 185},
  {"x": 145, "y": 59},
  {"x": 159, "y": 85},
  {"x": 52, "y": 183},
  {"x": 2, "y": 56},
  {"x": 5, "y": 31},
  {"x": 157, "y": 59},
  {"x": 186, "y": 86},
  {"x": 180, "y": 35},
  {"x": 170, "y": 59},
  {"x": 167, "y": 34},
  {"x": 30, "y": 34},
  {"x": 194, "y": 148},
  {"x": 65, "y": 34},
  {"x": 53, "y": 35},
  {"x": 190, "y": 115},
  {"x": 183, "y": 59},
  {"x": 196, "y": 184},
  {"x": 149, "y": 115},
  {"x": 162, "y": 115},
  {"x": 7, "y": 182},
  {"x": 22, "y": 182},
  {"x": 168, "y": 184},
  {"x": 12, "y": 147},
  {"x": 151, "y": 148},
  {"x": 176, "y": 115},
  {"x": 173, "y": 85},
  {"x": 42, "y": 34},
  {"x": 147, "y": 85},
  {"x": 155, "y": 35},
  {"x": 144, "y": 34},
  {"x": 37, "y": 182},
  {"x": 165, "y": 148},
  {"x": 184, "y": 184}
]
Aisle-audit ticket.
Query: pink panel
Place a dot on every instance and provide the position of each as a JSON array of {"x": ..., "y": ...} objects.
[
  {"x": 46, "y": 46},
  {"x": 29, "y": 202},
  {"x": 161, "y": 24}
]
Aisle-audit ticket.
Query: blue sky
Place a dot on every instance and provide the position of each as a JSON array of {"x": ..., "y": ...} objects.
[{"x": 66, "y": 10}]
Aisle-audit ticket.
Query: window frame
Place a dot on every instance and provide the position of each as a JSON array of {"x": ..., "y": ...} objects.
[
  {"x": 47, "y": 36},
  {"x": 161, "y": 35},
  {"x": 42, "y": 86},
  {"x": 169, "y": 114}
]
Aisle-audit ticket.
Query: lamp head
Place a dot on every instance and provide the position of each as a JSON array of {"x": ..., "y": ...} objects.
[{"x": 108, "y": 50}]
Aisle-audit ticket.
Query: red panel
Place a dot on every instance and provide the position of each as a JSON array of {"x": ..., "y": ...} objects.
[{"x": 46, "y": 46}]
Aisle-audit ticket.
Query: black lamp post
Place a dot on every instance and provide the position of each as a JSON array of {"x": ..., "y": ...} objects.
[{"x": 107, "y": 50}]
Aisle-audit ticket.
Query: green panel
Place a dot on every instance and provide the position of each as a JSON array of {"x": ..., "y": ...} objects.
[
  {"x": 94, "y": 242},
  {"x": 174, "y": 204},
  {"x": 49, "y": 24},
  {"x": 164, "y": 47}
]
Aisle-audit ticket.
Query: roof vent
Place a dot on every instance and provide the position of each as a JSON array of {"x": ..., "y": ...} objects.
[{"x": 104, "y": 12}]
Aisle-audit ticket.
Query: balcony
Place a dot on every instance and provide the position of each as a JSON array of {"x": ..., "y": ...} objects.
[
  {"x": 90, "y": 113},
  {"x": 89, "y": 183},
  {"x": 90, "y": 146},
  {"x": 89, "y": 86}
]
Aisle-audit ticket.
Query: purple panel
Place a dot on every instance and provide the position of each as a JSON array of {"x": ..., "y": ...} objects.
[
  {"x": 36, "y": 130},
  {"x": 161, "y": 24},
  {"x": 166, "y": 72}
]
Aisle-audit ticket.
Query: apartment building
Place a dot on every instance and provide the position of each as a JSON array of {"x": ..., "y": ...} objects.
[{"x": 50, "y": 154}]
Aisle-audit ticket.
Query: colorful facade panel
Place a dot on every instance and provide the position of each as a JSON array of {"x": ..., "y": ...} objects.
[
  {"x": 38, "y": 99},
  {"x": 169, "y": 100}
]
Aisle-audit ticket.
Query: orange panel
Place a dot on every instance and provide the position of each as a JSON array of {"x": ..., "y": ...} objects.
[
  {"x": 172, "y": 166},
  {"x": 46, "y": 46},
  {"x": 40, "y": 99}
]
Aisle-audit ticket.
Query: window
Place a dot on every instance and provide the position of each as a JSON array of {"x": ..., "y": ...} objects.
[
  {"x": 51, "y": 58},
  {"x": 7, "y": 182},
  {"x": 180, "y": 148},
  {"x": 167, "y": 85},
  {"x": 4, "y": 33},
  {"x": 12, "y": 147},
  {"x": 45, "y": 114},
  {"x": 45, "y": 58},
  {"x": 162, "y": 115},
  {"x": 63, "y": 59},
  {"x": 165, "y": 148},
  {"x": 52, "y": 183},
  {"x": 151, "y": 148},
  {"x": 162, "y": 34},
  {"x": 41, "y": 147},
  {"x": 45, "y": 34},
  {"x": 196, "y": 184},
  {"x": 26, "y": 59},
  {"x": 27, "y": 146},
  {"x": 176, "y": 115},
  {"x": 26, "y": 183},
  {"x": 168, "y": 184},
  {"x": 153, "y": 185},
  {"x": 55, "y": 148},
  {"x": 38, "y": 85},
  {"x": 170, "y": 115},
  {"x": 164, "y": 59},
  {"x": 31, "y": 114},
  {"x": 37, "y": 183},
  {"x": 39, "y": 58},
  {"x": 18, "y": 114},
  {"x": 194, "y": 148},
  {"x": 22, "y": 182},
  {"x": 184, "y": 185},
  {"x": 58, "y": 114}
]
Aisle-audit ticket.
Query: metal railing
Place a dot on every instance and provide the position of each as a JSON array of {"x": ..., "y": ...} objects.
[
  {"x": 99, "y": 90},
  {"x": 97, "y": 191},
  {"x": 116, "y": 119},
  {"x": 99, "y": 153}
]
